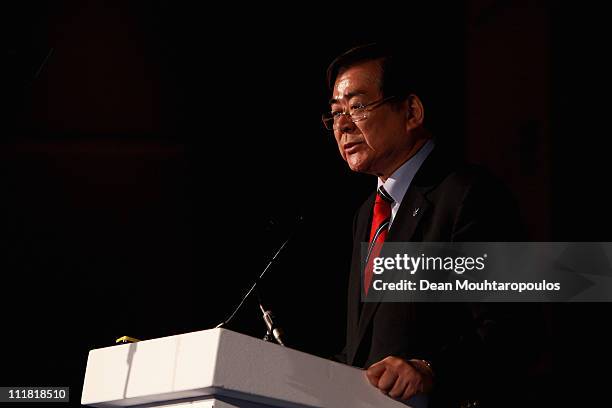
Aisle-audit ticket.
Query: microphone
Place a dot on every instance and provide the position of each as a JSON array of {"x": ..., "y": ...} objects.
[
  {"x": 273, "y": 330},
  {"x": 267, "y": 315}
]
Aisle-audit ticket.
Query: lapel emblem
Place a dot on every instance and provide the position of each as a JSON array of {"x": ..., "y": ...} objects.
[{"x": 416, "y": 211}]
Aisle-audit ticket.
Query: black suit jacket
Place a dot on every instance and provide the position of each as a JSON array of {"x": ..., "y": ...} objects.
[{"x": 456, "y": 203}]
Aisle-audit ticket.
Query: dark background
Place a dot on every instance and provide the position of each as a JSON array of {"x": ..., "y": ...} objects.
[{"x": 154, "y": 155}]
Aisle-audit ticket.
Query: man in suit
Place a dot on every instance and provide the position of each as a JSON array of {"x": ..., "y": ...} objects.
[{"x": 442, "y": 349}]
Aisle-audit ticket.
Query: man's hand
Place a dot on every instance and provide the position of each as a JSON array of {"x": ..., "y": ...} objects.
[{"x": 399, "y": 378}]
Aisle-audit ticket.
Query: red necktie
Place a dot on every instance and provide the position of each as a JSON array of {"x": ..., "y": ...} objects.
[{"x": 378, "y": 233}]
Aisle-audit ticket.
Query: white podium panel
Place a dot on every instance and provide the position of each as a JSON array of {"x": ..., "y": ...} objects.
[{"x": 220, "y": 368}]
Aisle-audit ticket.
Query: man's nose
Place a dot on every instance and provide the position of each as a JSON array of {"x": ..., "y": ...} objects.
[{"x": 345, "y": 124}]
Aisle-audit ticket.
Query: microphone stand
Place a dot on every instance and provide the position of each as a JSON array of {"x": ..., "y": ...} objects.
[{"x": 273, "y": 332}]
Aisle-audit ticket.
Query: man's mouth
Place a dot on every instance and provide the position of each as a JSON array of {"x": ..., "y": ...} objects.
[{"x": 351, "y": 147}]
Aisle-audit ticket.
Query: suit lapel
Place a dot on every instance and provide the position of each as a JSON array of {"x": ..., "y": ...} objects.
[
  {"x": 411, "y": 211},
  {"x": 362, "y": 232}
]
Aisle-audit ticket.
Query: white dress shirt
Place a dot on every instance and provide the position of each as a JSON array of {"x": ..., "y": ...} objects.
[{"x": 397, "y": 184}]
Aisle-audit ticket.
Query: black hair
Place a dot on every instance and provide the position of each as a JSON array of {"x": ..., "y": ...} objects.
[{"x": 398, "y": 76}]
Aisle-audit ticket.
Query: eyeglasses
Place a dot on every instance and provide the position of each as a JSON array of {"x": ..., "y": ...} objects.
[{"x": 355, "y": 113}]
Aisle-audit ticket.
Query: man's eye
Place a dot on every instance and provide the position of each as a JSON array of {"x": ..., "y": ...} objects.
[
  {"x": 357, "y": 106},
  {"x": 336, "y": 114}
]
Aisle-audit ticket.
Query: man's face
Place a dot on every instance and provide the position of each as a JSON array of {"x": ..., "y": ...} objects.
[{"x": 377, "y": 144}]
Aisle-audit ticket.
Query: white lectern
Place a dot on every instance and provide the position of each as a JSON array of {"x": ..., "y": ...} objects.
[{"x": 220, "y": 368}]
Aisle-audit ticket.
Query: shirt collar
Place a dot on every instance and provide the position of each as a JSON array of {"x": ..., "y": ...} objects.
[{"x": 399, "y": 182}]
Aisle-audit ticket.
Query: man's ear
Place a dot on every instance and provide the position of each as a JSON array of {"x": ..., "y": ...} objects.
[{"x": 415, "y": 114}]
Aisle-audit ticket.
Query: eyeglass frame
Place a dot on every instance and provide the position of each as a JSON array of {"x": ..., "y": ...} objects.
[{"x": 363, "y": 108}]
